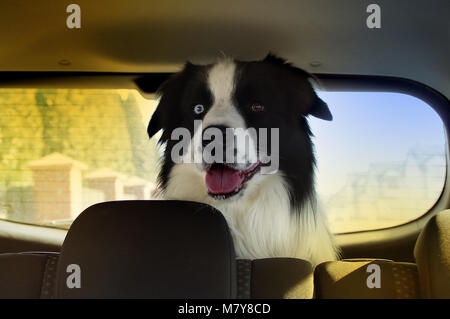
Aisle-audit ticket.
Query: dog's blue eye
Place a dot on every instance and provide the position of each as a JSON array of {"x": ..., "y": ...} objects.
[{"x": 198, "y": 109}]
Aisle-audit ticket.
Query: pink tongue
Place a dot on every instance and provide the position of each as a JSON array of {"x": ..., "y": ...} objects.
[{"x": 222, "y": 179}]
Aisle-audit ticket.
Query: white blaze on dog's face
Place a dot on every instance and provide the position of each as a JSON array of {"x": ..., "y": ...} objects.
[
  {"x": 238, "y": 104},
  {"x": 230, "y": 162},
  {"x": 221, "y": 83},
  {"x": 224, "y": 114}
]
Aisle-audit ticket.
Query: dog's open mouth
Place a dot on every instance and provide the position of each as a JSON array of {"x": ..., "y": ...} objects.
[{"x": 224, "y": 181}]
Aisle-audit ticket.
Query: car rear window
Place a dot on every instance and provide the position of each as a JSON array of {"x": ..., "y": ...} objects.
[{"x": 381, "y": 162}]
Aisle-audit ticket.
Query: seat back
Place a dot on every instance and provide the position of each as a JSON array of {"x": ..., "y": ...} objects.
[
  {"x": 27, "y": 275},
  {"x": 432, "y": 253},
  {"x": 429, "y": 277},
  {"x": 152, "y": 249},
  {"x": 366, "y": 279},
  {"x": 148, "y": 249},
  {"x": 174, "y": 249},
  {"x": 275, "y": 278}
]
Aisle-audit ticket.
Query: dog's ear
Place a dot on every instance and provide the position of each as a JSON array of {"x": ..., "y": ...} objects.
[
  {"x": 154, "y": 125},
  {"x": 169, "y": 95},
  {"x": 320, "y": 109},
  {"x": 302, "y": 86},
  {"x": 274, "y": 59}
]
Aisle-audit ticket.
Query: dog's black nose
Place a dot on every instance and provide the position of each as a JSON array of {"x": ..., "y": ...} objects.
[{"x": 216, "y": 133}]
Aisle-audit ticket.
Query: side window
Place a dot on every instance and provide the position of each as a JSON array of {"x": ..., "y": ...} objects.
[{"x": 381, "y": 161}]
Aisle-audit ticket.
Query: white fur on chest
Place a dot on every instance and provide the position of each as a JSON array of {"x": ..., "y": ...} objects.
[{"x": 260, "y": 220}]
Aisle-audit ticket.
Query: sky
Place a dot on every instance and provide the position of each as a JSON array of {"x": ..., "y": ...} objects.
[{"x": 370, "y": 127}]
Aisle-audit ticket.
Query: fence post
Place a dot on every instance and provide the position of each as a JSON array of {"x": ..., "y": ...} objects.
[
  {"x": 108, "y": 181},
  {"x": 57, "y": 187}
]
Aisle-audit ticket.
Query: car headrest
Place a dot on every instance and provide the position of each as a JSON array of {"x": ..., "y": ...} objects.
[{"x": 147, "y": 249}]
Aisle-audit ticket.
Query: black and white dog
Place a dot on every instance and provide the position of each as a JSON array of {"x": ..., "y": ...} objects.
[{"x": 268, "y": 200}]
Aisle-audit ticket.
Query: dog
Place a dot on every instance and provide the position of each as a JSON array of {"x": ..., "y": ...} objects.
[{"x": 272, "y": 213}]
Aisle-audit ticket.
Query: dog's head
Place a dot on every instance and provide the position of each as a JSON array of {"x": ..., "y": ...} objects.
[{"x": 239, "y": 119}]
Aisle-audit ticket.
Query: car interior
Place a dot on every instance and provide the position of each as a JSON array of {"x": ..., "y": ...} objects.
[{"x": 78, "y": 172}]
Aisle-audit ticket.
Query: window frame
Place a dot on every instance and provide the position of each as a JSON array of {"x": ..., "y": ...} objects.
[{"x": 147, "y": 83}]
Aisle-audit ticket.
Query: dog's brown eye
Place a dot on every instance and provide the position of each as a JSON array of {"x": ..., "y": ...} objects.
[{"x": 257, "y": 107}]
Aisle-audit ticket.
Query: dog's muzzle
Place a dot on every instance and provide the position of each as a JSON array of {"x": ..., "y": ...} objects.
[{"x": 226, "y": 161}]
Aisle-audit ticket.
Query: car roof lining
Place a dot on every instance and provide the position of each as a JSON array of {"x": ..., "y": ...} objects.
[{"x": 146, "y": 37}]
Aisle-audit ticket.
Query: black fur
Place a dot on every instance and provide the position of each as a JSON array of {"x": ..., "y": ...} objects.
[{"x": 286, "y": 94}]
